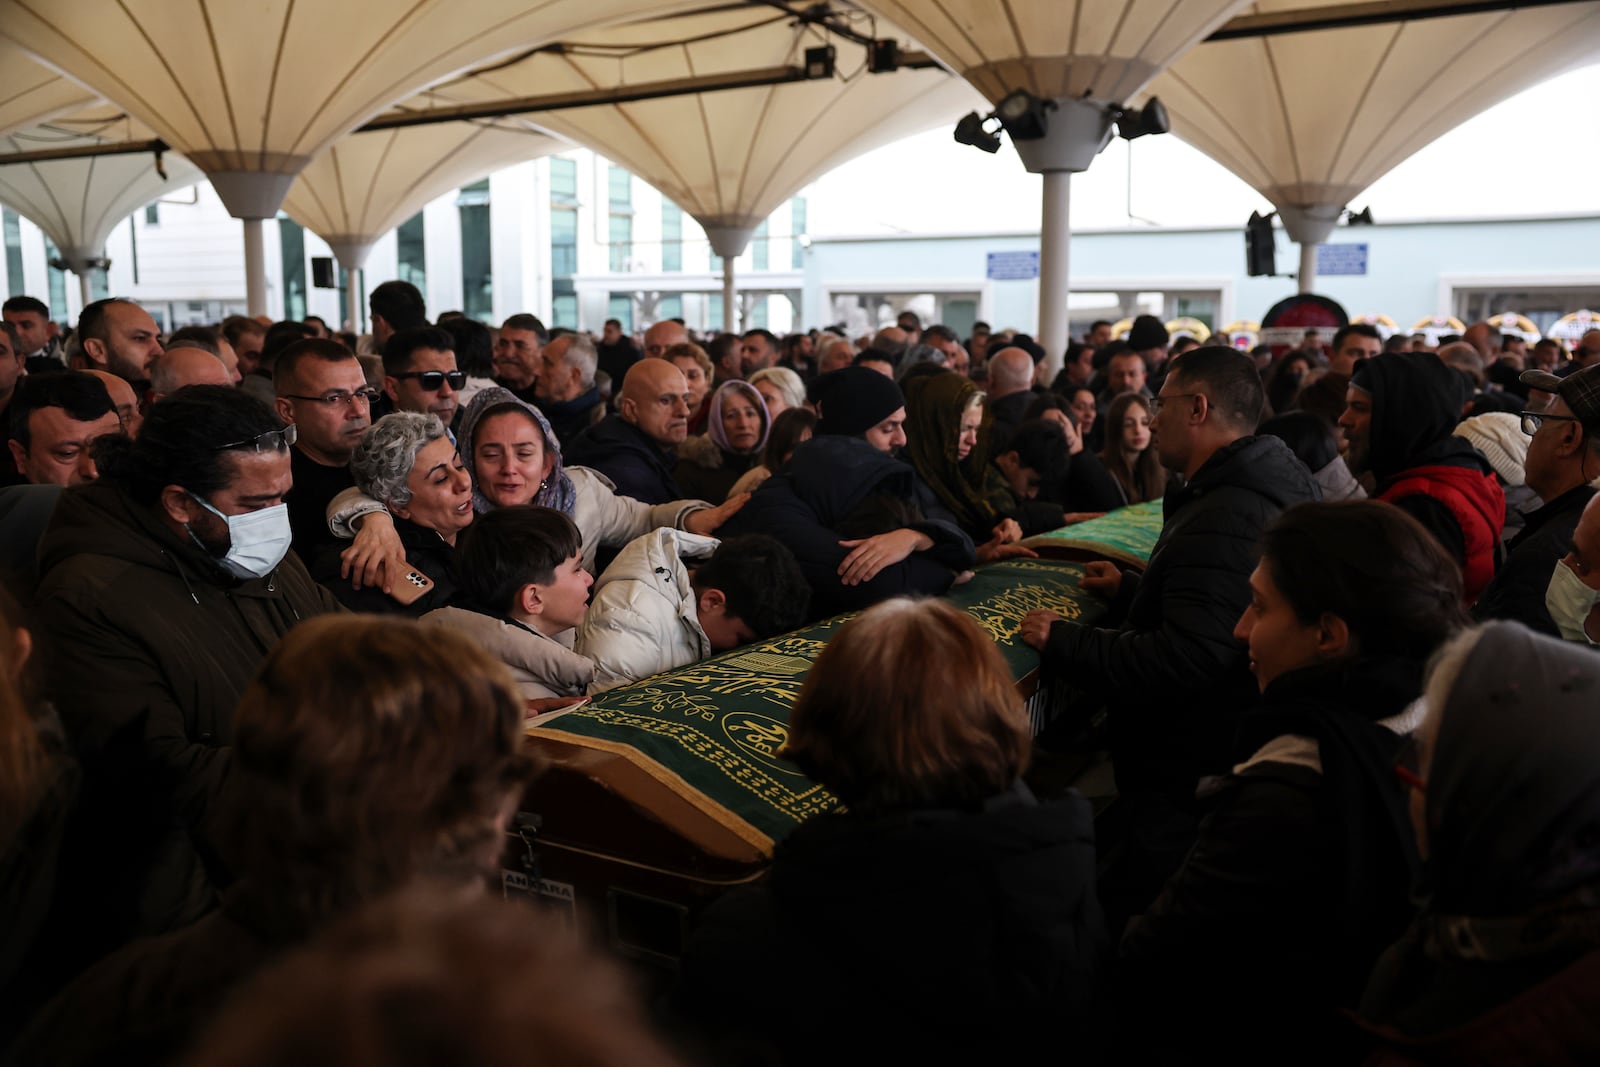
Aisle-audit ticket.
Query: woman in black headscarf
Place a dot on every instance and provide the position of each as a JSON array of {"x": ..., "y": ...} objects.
[
  {"x": 1299, "y": 877},
  {"x": 1503, "y": 963}
]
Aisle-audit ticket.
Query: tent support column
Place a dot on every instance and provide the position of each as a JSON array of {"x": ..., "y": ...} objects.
[
  {"x": 255, "y": 266},
  {"x": 1055, "y": 234},
  {"x": 1307, "y": 277},
  {"x": 729, "y": 295}
]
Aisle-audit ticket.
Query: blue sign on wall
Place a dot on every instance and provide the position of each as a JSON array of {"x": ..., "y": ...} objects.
[
  {"x": 1014, "y": 266},
  {"x": 1342, "y": 259}
]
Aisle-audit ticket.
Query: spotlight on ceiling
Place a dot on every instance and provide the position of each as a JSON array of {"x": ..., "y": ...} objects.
[
  {"x": 970, "y": 130},
  {"x": 1024, "y": 116},
  {"x": 1133, "y": 123},
  {"x": 1359, "y": 218}
]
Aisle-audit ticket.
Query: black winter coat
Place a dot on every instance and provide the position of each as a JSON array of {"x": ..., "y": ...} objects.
[
  {"x": 820, "y": 487},
  {"x": 636, "y": 465},
  {"x": 1517, "y": 591},
  {"x": 1174, "y": 677},
  {"x": 147, "y": 645},
  {"x": 1298, "y": 881},
  {"x": 925, "y": 937}
]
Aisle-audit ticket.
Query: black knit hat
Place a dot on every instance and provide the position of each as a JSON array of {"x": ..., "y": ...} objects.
[
  {"x": 852, "y": 400},
  {"x": 1147, "y": 333}
]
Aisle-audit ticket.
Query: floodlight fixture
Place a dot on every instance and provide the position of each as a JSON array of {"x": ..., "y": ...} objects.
[
  {"x": 1358, "y": 218},
  {"x": 1024, "y": 116},
  {"x": 972, "y": 130},
  {"x": 819, "y": 62},
  {"x": 1134, "y": 123}
]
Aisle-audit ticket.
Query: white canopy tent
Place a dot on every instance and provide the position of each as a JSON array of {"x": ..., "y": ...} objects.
[
  {"x": 31, "y": 93},
  {"x": 369, "y": 183},
  {"x": 78, "y": 202},
  {"x": 1084, "y": 55},
  {"x": 251, "y": 93},
  {"x": 1311, "y": 119},
  {"x": 727, "y": 157}
]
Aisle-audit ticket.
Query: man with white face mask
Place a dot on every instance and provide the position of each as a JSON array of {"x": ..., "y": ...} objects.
[
  {"x": 1573, "y": 596},
  {"x": 1563, "y": 424},
  {"x": 163, "y": 585}
]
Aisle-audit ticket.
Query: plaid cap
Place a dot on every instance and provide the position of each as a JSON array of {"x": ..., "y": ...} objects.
[{"x": 1580, "y": 390}]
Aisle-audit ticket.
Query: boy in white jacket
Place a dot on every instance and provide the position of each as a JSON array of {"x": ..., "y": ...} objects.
[{"x": 651, "y": 614}]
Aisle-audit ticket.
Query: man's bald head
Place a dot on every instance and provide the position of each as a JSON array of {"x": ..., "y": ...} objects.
[
  {"x": 1010, "y": 371},
  {"x": 662, "y": 336},
  {"x": 655, "y": 399},
  {"x": 178, "y": 367},
  {"x": 123, "y": 399},
  {"x": 1484, "y": 338},
  {"x": 891, "y": 339}
]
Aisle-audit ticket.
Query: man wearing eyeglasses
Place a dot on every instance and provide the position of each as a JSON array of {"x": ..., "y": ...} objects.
[
  {"x": 419, "y": 373},
  {"x": 1563, "y": 455},
  {"x": 1399, "y": 415},
  {"x": 323, "y": 393},
  {"x": 163, "y": 585}
]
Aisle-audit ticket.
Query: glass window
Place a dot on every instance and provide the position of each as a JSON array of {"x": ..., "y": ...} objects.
[
  {"x": 621, "y": 241},
  {"x": 564, "y": 180},
  {"x": 564, "y": 310},
  {"x": 620, "y": 307},
  {"x": 13, "y": 231},
  {"x": 58, "y": 278},
  {"x": 477, "y": 271},
  {"x": 99, "y": 285},
  {"x": 671, "y": 236},
  {"x": 797, "y": 226},
  {"x": 714, "y": 312},
  {"x": 413, "y": 249},
  {"x": 152, "y": 214},
  {"x": 758, "y": 314},
  {"x": 563, "y": 242},
  {"x": 621, "y": 186},
  {"x": 292, "y": 240},
  {"x": 759, "y": 248},
  {"x": 670, "y": 307}
]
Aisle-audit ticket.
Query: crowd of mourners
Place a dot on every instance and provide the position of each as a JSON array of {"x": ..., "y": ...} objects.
[{"x": 279, "y": 601}]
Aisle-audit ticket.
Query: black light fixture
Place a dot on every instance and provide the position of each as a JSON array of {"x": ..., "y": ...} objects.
[
  {"x": 971, "y": 130},
  {"x": 1260, "y": 246},
  {"x": 1024, "y": 116},
  {"x": 883, "y": 55},
  {"x": 1359, "y": 218},
  {"x": 819, "y": 62},
  {"x": 1152, "y": 118}
]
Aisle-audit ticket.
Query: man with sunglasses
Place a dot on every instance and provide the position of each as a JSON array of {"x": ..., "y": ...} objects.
[
  {"x": 419, "y": 373},
  {"x": 1563, "y": 456},
  {"x": 323, "y": 393},
  {"x": 163, "y": 585}
]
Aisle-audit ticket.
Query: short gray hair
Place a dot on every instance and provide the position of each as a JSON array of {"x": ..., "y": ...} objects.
[
  {"x": 581, "y": 354},
  {"x": 383, "y": 460}
]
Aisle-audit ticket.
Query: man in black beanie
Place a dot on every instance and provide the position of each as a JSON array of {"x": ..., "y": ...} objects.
[
  {"x": 1149, "y": 338},
  {"x": 861, "y": 523}
]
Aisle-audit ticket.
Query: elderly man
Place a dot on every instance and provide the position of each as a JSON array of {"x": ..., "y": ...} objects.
[
  {"x": 657, "y": 339},
  {"x": 834, "y": 355},
  {"x": 1563, "y": 455},
  {"x": 565, "y": 389},
  {"x": 420, "y": 374},
  {"x": 637, "y": 447},
  {"x": 185, "y": 365},
  {"x": 123, "y": 399},
  {"x": 516, "y": 355},
  {"x": 55, "y": 421},
  {"x": 1574, "y": 596},
  {"x": 1010, "y": 393},
  {"x": 119, "y": 336},
  {"x": 163, "y": 586}
]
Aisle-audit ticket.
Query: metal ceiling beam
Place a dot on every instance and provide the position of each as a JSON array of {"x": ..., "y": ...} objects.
[
  {"x": 660, "y": 90},
  {"x": 1375, "y": 13},
  {"x": 119, "y": 148}
]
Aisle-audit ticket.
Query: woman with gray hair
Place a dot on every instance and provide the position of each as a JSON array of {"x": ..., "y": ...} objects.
[
  {"x": 781, "y": 388},
  {"x": 408, "y": 463}
]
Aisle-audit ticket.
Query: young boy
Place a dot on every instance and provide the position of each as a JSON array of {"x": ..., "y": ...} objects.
[
  {"x": 521, "y": 575},
  {"x": 650, "y": 614}
]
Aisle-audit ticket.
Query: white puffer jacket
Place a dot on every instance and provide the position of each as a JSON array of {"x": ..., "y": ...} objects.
[
  {"x": 543, "y": 666},
  {"x": 602, "y": 515},
  {"x": 643, "y": 617}
]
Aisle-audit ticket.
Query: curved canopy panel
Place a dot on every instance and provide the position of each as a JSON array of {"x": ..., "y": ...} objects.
[
  {"x": 77, "y": 202},
  {"x": 727, "y": 157},
  {"x": 263, "y": 87},
  {"x": 1105, "y": 49},
  {"x": 1314, "y": 118},
  {"x": 369, "y": 183},
  {"x": 31, "y": 93}
]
